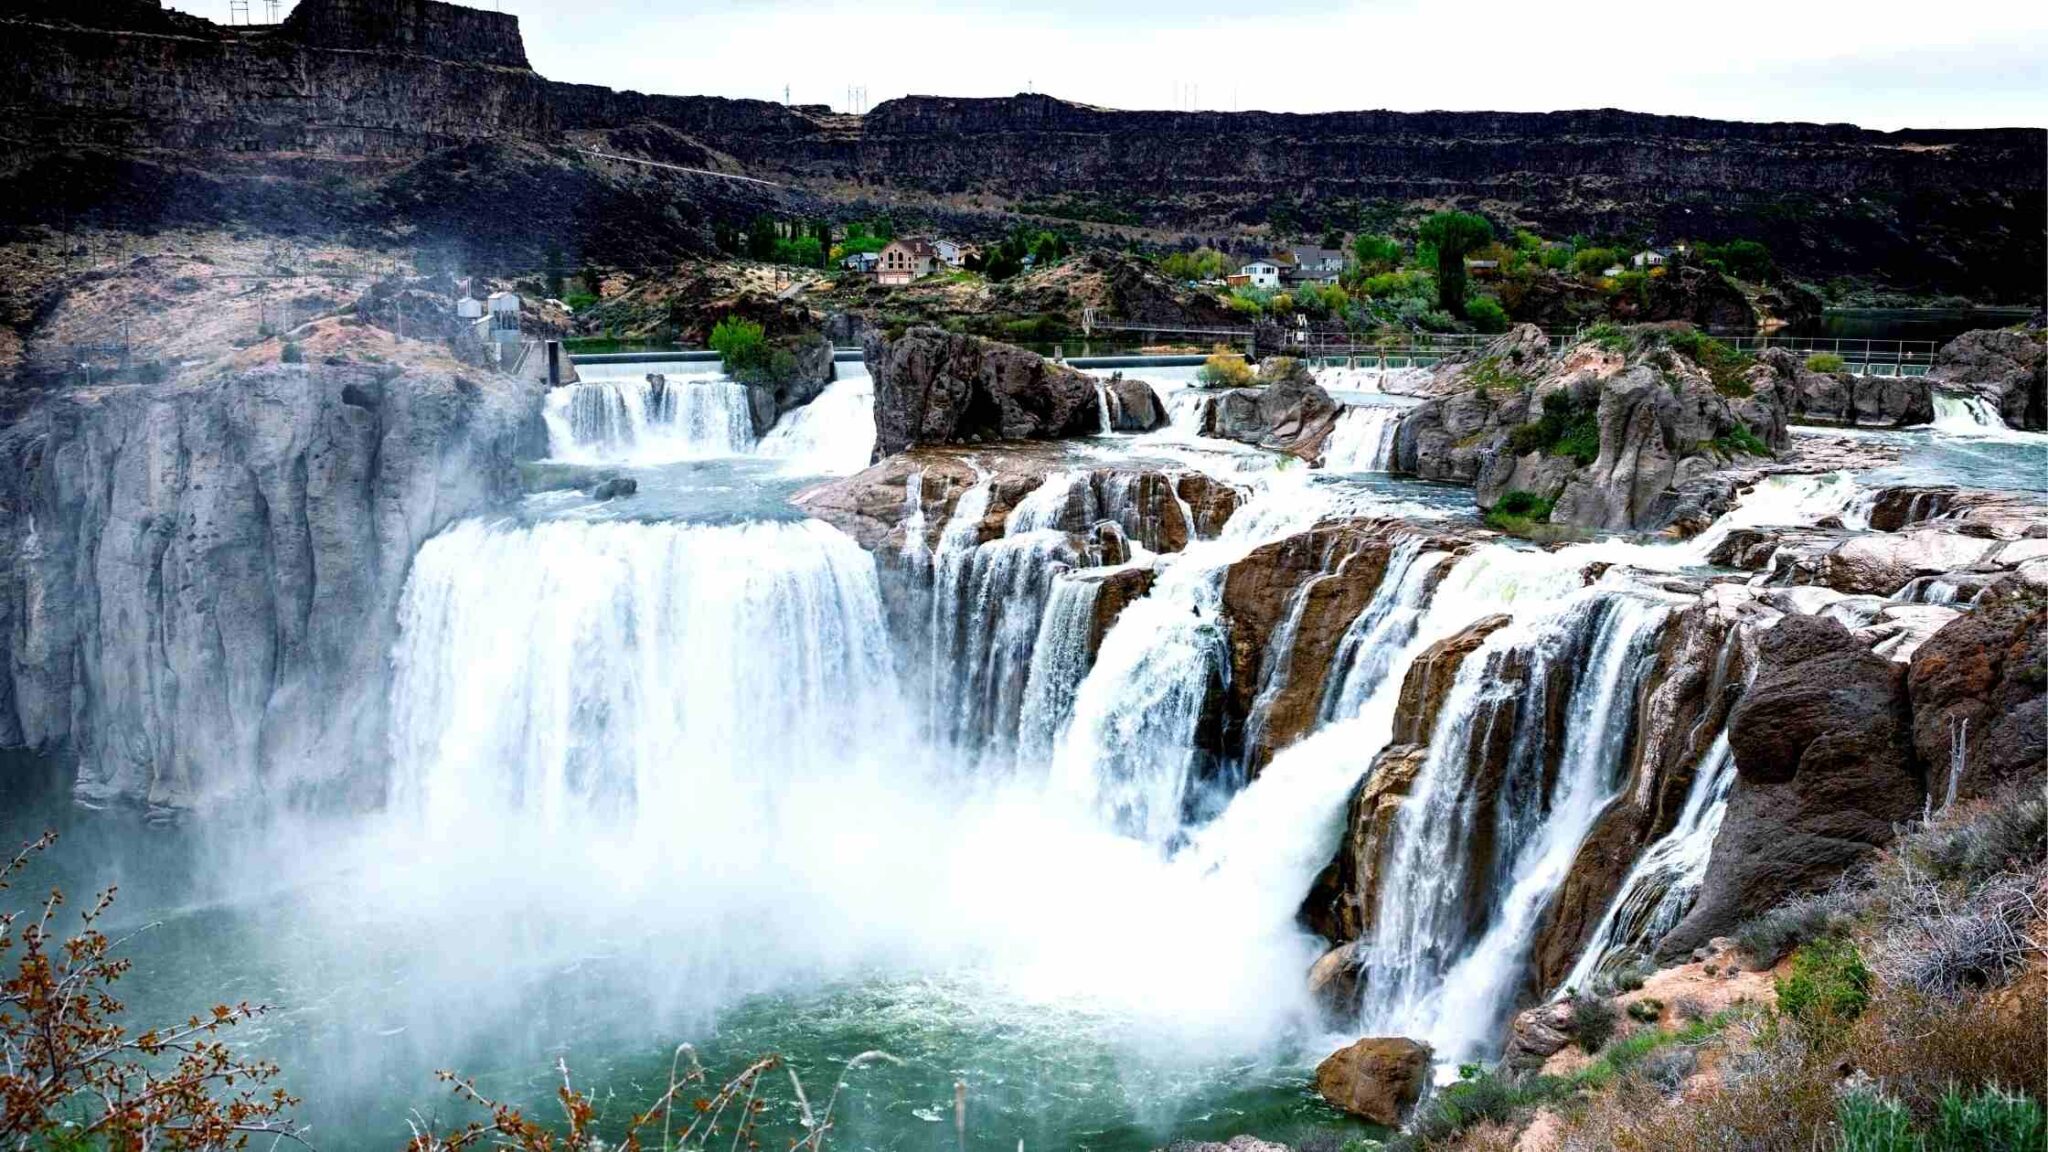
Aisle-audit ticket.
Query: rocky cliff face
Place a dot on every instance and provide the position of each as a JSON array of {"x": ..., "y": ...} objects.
[
  {"x": 1954, "y": 211},
  {"x": 2009, "y": 368},
  {"x": 198, "y": 587},
  {"x": 934, "y": 387}
]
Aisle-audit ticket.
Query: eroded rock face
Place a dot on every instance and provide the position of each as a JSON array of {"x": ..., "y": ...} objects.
[
  {"x": 1825, "y": 770},
  {"x": 1808, "y": 396},
  {"x": 1379, "y": 1078},
  {"x": 201, "y": 585},
  {"x": 1980, "y": 680},
  {"x": 1288, "y": 413},
  {"x": 1661, "y": 423},
  {"x": 2007, "y": 367},
  {"x": 937, "y": 387},
  {"x": 1539, "y": 1033},
  {"x": 767, "y": 403}
]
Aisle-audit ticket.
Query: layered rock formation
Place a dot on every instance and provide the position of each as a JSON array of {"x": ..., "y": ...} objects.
[
  {"x": 2007, "y": 367},
  {"x": 1947, "y": 211},
  {"x": 1811, "y": 397},
  {"x": 1608, "y": 437},
  {"x": 936, "y": 387},
  {"x": 200, "y": 584}
]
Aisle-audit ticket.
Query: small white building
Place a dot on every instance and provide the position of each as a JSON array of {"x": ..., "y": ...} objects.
[
  {"x": 1261, "y": 274},
  {"x": 861, "y": 261},
  {"x": 469, "y": 308},
  {"x": 1650, "y": 258},
  {"x": 503, "y": 308},
  {"x": 952, "y": 253}
]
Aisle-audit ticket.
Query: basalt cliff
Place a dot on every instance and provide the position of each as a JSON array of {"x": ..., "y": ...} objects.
[{"x": 400, "y": 117}]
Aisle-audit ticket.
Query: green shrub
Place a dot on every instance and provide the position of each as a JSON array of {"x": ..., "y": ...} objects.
[
  {"x": 1566, "y": 428},
  {"x": 1824, "y": 362},
  {"x": 739, "y": 342},
  {"x": 1594, "y": 261},
  {"x": 1722, "y": 363},
  {"x": 1486, "y": 314},
  {"x": 1608, "y": 336},
  {"x": 1594, "y": 1019},
  {"x": 578, "y": 301},
  {"x": 1993, "y": 1120},
  {"x": 1827, "y": 987},
  {"x": 1739, "y": 440},
  {"x": 1872, "y": 1123},
  {"x": 291, "y": 353},
  {"x": 1528, "y": 505},
  {"x": 1648, "y": 1010}
]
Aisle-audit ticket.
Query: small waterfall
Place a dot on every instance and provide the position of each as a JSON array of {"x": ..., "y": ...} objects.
[
  {"x": 646, "y": 674},
  {"x": 832, "y": 435},
  {"x": 1045, "y": 508},
  {"x": 1958, "y": 757},
  {"x": 1965, "y": 415},
  {"x": 1108, "y": 405},
  {"x": 1659, "y": 890},
  {"x": 1363, "y": 440},
  {"x": 1473, "y": 862},
  {"x": 1059, "y": 662},
  {"x": 1370, "y": 646},
  {"x": 634, "y": 416}
]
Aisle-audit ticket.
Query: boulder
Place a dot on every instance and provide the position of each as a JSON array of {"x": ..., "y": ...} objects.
[
  {"x": 1539, "y": 1033},
  {"x": 1979, "y": 681},
  {"x": 807, "y": 371},
  {"x": 614, "y": 487},
  {"x": 938, "y": 387},
  {"x": 1378, "y": 1079},
  {"x": 1289, "y": 412},
  {"x": 1133, "y": 405},
  {"x": 1824, "y": 771},
  {"x": 1333, "y": 982},
  {"x": 2008, "y": 367}
]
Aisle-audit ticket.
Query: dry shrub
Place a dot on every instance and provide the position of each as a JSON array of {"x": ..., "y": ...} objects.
[
  {"x": 1917, "y": 1045},
  {"x": 1490, "y": 1137}
]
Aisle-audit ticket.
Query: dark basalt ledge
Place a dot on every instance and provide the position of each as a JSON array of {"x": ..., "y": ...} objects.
[{"x": 1921, "y": 210}]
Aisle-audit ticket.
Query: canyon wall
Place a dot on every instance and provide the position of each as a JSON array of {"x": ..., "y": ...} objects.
[
  {"x": 1932, "y": 210},
  {"x": 198, "y": 586}
]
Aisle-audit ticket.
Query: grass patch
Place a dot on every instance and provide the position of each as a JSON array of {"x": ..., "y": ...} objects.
[
  {"x": 1608, "y": 336},
  {"x": 1517, "y": 511},
  {"x": 1722, "y": 363},
  {"x": 1566, "y": 428},
  {"x": 1824, "y": 362},
  {"x": 1740, "y": 441}
]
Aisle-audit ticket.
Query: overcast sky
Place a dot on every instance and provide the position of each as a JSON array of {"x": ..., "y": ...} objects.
[{"x": 1879, "y": 63}]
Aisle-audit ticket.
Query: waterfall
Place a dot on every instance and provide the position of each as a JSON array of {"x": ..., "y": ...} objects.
[
  {"x": 1044, "y": 508},
  {"x": 832, "y": 435},
  {"x": 1659, "y": 890},
  {"x": 1473, "y": 862},
  {"x": 1366, "y": 653},
  {"x": 644, "y": 672},
  {"x": 1966, "y": 415},
  {"x": 1958, "y": 757},
  {"x": 1107, "y": 405},
  {"x": 622, "y": 413},
  {"x": 1059, "y": 661},
  {"x": 1363, "y": 440}
]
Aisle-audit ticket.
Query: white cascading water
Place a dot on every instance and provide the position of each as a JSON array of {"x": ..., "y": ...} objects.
[
  {"x": 630, "y": 669},
  {"x": 1440, "y": 967},
  {"x": 1959, "y": 415},
  {"x": 646, "y": 413},
  {"x": 1363, "y": 440},
  {"x": 833, "y": 435},
  {"x": 1659, "y": 890},
  {"x": 1365, "y": 655},
  {"x": 1059, "y": 660}
]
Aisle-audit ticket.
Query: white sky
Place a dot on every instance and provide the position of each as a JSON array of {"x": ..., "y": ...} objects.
[{"x": 1878, "y": 63}]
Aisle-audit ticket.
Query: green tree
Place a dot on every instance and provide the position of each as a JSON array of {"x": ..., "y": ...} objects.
[
  {"x": 1453, "y": 234},
  {"x": 551, "y": 272},
  {"x": 1376, "y": 254},
  {"x": 1486, "y": 314},
  {"x": 761, "y": 237}
]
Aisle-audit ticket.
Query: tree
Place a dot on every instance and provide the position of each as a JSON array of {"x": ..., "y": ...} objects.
[
  {"x": 1375, "y": 254},
  {"x": 551, "y": 272},
  {"x": 761, "y": 237},
  {"x": 1453, "y": 234}
]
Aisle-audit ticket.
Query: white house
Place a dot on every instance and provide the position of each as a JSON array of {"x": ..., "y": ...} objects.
[
  {"x": 1309, "y": 262},
  {"x": 1650, "y": 258},
  {"x": 861, "y": 261},
  {"x": 1261, "y": 274},
  {"x": 952, "y": 253},
  {"x": 469, "y": 308}
]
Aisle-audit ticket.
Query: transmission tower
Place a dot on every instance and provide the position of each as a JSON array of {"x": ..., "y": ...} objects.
[
  {"x": 270, "y": 11},
  {"x": 238, "y": 12}
]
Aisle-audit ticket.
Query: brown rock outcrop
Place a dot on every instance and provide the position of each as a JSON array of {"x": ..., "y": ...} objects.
[
  {"x": 937, "y": 387},
  {"x": 1825, "y": 770},
  {"x": 1981, "y": 679},
  {"x": 1379, "y": 1078}
]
